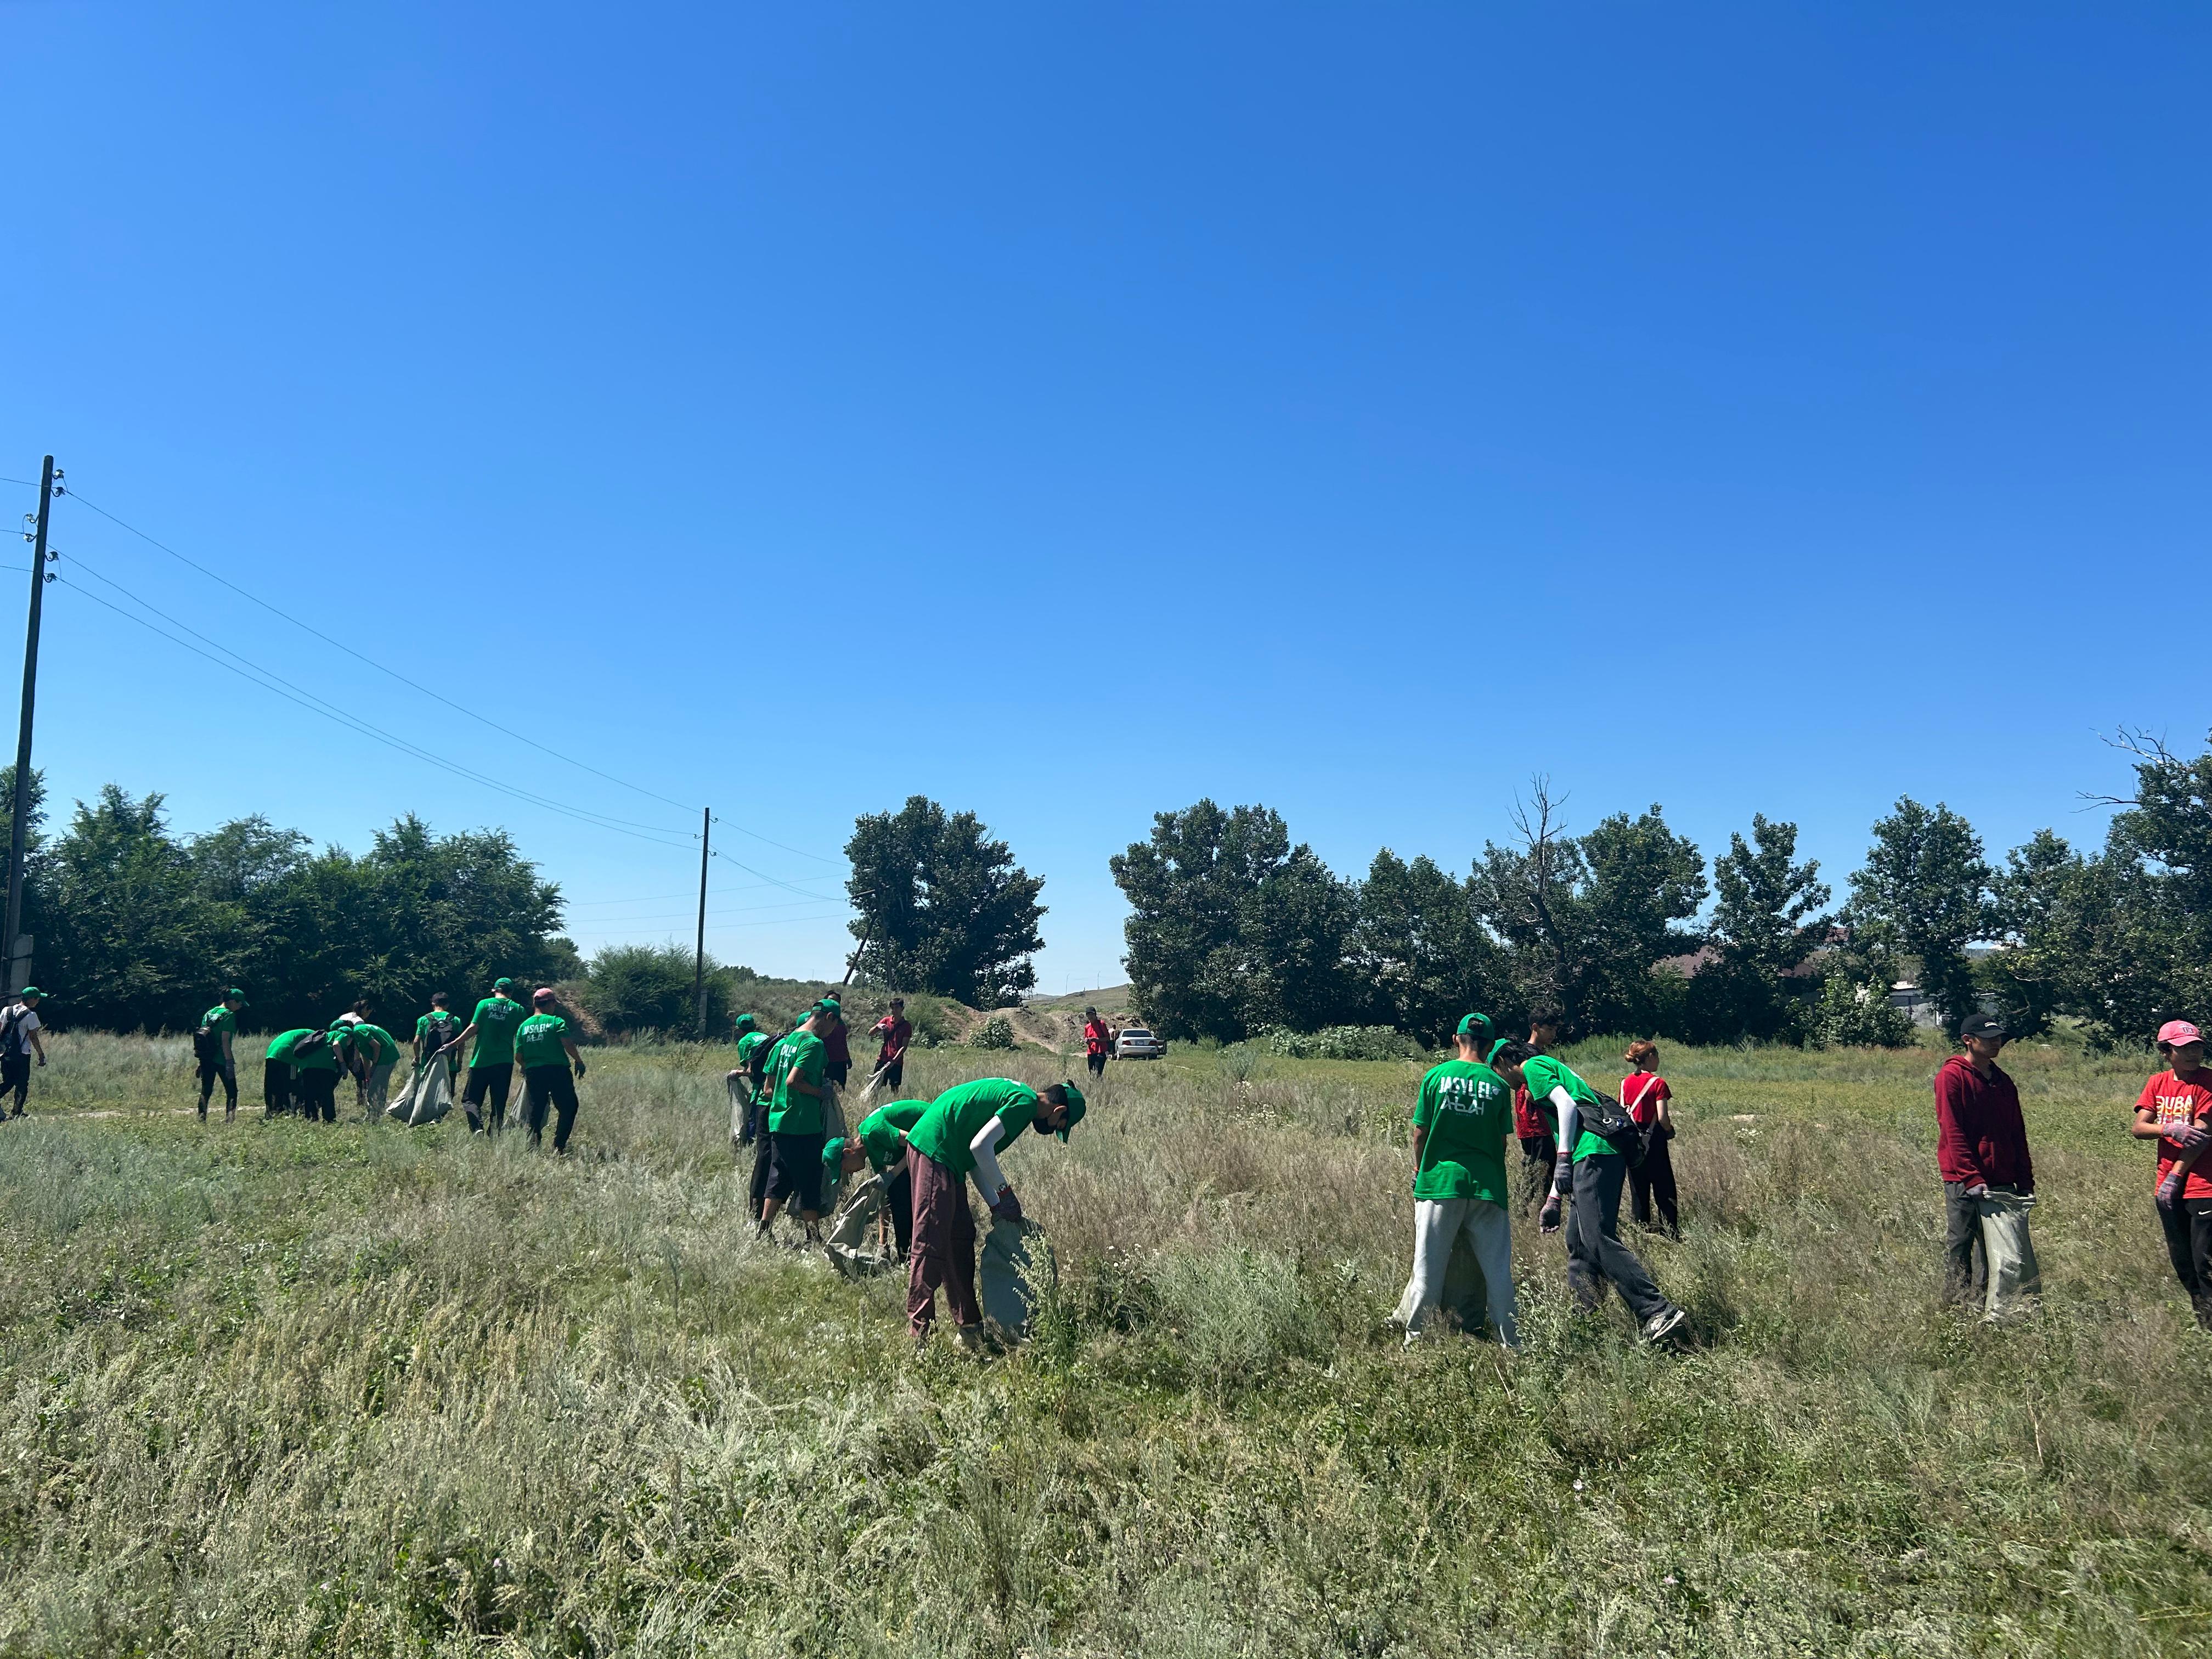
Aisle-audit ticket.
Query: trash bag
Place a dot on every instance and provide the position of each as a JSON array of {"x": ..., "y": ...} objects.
[
  {"x": 428, "y": 1096},
  {"x": 833, "y": 1111},
  {"x": 1465, "y": 1297},
  {"x": 852, "y": 1237},
  {"x": 1014, "y": 1265}
]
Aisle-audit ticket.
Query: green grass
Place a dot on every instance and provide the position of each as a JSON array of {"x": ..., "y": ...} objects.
[{"x": 275, "y": 1389}]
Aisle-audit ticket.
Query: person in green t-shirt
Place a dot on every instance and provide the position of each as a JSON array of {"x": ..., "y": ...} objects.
[
  {"x": 1460, "y": 1190},
  {"x": 881, "y": 1136},
  {"x": 317, "y": 1059},
  {"x": 491, "y": 1062},
  {"x": 1596, "y": 1173},
  {"x": 959, "y": 1135},
  {"x": 375, "y": 1052},
  {"x": 740, "y": 1084},
  {"x": 796, "y": 1083},
  {"x": 548, "y": 1055},
  {"x": 214, "y": 1043},
  {"x": 277, "y": 1096},
  {"x": 438, "y": 1035}
]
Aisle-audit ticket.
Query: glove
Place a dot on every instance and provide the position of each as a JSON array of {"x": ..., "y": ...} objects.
[
  {"x": 1548, "y": 1218},
  {"x": 1006, "y": 1206},
  {"x": 1563, "y": 1173},
  {"x": 2189, "y": 1140},
  {"x": 580, "y": 1068},
  {"x": 2169, "y": 1190},
  {"x": 1981, "y": 1189}
]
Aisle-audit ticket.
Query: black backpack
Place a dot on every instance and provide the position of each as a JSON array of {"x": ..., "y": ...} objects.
[
  {"x": 439, "y": 1029},
  {"x": 207, "y": 1044},
  {"x": 1610, "y": 1123}
]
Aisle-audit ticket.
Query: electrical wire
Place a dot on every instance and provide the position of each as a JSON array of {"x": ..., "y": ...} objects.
[
  {"x": 730, "y": 910},
  {"x": 269, "y": 681},
  {"x": 757, "y": 835}
]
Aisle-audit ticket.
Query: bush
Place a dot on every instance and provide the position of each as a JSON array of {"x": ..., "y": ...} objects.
[
  {"x": 1237, "y": 1314},
  {"x": 1343, "y": 1043},
  {"x": 1854, "y": 1015},
  {"x": 993, "y": 1033}
]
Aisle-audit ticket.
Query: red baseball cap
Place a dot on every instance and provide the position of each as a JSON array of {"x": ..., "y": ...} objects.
[{"x": 2178, "y": 1031}]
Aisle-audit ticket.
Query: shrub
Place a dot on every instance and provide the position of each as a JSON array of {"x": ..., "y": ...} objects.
[
  {"x": 1343, "y": 1043},
  {"x": 1238, "y": 1315},
  {"x": 1855, "y": 1016},
  {"x": 994, "y": 1033}
]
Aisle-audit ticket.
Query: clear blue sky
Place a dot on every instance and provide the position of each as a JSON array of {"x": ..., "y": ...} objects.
[{"x": 1067, "y": 412}]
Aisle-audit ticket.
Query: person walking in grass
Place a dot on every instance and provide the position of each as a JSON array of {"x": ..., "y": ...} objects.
[
  {"x": 439, "y": 1032},
  {"x": 19, "y": 1041},
  {"x": 1532, "y": 1125},
  {"x": 837, "y": 1052},
  {"x": 491, "y": 1062},
  {"x": 550, "y": 1067},
  {"x": 1989, "y": 1179},
  {"x": 893, "y": 1032},
  {"x": 2175, "y": 1109},
  {"x": 960, "y": 1135},
  {"x": 1460, "y": 1190},
  {"x": 215, "y": 1043},
  {"x": 317, "y": 1059},
  {"x": 797, "y": 1088},
  {"x": 1097, "y": 1042},
  {"x": 881, "y": 1136},
  {"x": 1644, "y": 1095},
  {"x": 375, "y": 1052},
  {"x": 1588, "y": 1164}
]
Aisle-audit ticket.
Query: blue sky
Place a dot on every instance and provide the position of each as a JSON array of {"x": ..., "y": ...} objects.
[{"x": 1067, "y": 412}]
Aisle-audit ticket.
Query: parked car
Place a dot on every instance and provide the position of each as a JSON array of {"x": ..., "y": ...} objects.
[{"x": 1135, "y": 1043}]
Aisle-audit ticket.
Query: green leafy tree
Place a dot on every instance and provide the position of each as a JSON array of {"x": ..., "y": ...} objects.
[
  {"x": 37, "y": 875},
  {"x": 1588, "y": 920},
  {"x": 1766, "y": 923},
  {"x": 1231, "y": 929},
  {"x": 2034, "y": 973},
  {"x": 1924, "y": 894},
  {"x": 1419, "y": 952},
  {"x": 633, "y": 989},
  {"x": 131, "y": 926},
  {"x": 942, "y": 907}
]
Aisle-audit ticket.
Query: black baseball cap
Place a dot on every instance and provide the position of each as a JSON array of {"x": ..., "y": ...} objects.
[{"x": 1983, "y": 1026}]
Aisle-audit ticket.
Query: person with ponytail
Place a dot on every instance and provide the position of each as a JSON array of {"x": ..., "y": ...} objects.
[{"x": 1645, "y": 1093}]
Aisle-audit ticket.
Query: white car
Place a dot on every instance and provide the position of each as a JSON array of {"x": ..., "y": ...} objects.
[{"x": 1135, "y": 1043}]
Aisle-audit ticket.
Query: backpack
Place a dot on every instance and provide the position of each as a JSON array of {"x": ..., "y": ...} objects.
[
  {"x": 1609, "y": 1123},
  {"x": 206, "y": 1045},
  {"x": 439, "y": 1029},
  {"x": 8, "y": 1028}
]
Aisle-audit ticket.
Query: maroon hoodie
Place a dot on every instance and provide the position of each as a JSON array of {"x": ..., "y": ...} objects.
[{"x": 1979, "y": 1133}]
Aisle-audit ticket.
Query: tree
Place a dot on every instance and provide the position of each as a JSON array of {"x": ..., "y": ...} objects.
[
  {"x": 1231, "y": 929},
  {"x": 1764, "y": 927},
  {"x": 1588, "y": 920},
  {"x": 2036, "y": 899},
  {"x": 1924, "y": 894},
  {"x": 635, "y": 989},
  {"x": 130, "y": 923},
  {"x": 942, "y": 907},
  {"x": 1420, "y": 953}
]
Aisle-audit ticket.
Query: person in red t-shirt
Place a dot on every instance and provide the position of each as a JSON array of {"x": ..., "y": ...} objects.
[
  {"x": 1645, "y": 1094},
  {"x": 896, "y": 1032},
  {"x": 1097, "y": 1042},
  {"x": 1532, "y": 1126},
  {"x": 2172, "y": 1110}
]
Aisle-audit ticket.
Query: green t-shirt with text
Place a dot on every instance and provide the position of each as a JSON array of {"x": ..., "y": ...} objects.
[
  {"x": 1542, "y": 1074},
  {"x": 883, "y": 1132},
  {"x": 1465, "y": 1113},
  {"x": 496, "y": 1019},
  {"x": 537, "y": 1040},
  {"x": 950, "y": 1122},
  {"x": 799, "y": 1058}
]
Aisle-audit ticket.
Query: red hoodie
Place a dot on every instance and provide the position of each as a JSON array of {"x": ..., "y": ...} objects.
[{"x": 1979, "y": 1133}]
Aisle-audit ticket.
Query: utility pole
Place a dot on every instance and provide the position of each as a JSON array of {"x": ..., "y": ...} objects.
[
  {"x": 19, "y": 966},
  {"x": 699, "y": 958}
]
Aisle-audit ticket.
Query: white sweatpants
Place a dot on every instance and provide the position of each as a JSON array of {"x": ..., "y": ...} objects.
[
  {"x": 376, "y": 1088},
  {"x": 1439, "y": 1225}
]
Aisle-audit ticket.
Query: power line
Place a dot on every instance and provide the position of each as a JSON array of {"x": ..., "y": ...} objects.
[
  {"x": 520, "y": 737},
  {"x": 730, "y": 910},
  {"x": 269, "y": 681},
  {"x": 741, "y": 830}
]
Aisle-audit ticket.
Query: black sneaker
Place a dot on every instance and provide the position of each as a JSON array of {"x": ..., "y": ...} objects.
[{"x": 1660, "y": 1326}]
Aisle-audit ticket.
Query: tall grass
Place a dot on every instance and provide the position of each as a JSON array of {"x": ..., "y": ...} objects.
[{"x": 276, "y": 1389}]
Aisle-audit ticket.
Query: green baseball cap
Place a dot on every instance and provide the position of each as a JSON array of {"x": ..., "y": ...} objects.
[
  {"x": 30, "y": 991},
  {"x": 833, "y": 1151},
  {"x": 743, "y": 1023},
  {"x": 1075, "y": 1108},
  {"x": 502, "y": 985},
  {"x": 233, "y": 994},
  {"x": 1477, "y": 1025}
]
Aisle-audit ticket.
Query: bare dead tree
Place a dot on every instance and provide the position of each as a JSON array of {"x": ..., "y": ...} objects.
[{"x": 1541, "y": 823}]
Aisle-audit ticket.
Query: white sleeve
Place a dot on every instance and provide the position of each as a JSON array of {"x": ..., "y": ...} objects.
[
  {"x": 1570, "y": 1119},
  {"x": 983, "y": 1149}
]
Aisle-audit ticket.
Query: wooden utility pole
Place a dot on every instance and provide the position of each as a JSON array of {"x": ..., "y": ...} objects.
[
  {"x": 19, "y": 839},
  {"x": 699, "y": 957}
]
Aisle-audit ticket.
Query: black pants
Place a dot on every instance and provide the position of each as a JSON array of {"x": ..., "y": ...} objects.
[
  {"x": 317, "y": 1091},
  {"x": 1595, "y": 1255},
  {"x": 15, "y": 1079},
  {"x": 898, "y": 1199},
  {"x": 795, "y": 1169},
  {"x": 894, "y": 1074},
  {"x": 836, "y": 1071},
  {"x": 2188, "y": 1228},
  {"x": 275, "y": 1087},
  {"x": 491, "y": 1082},
  {"x": 228, "y": 1071},
  {"x": 1965, "y": 1264},
  {"x": 1652, "y": 1185},
  {"x": 544, "y": 1086},
  {"x": 763, "y": 1161}
]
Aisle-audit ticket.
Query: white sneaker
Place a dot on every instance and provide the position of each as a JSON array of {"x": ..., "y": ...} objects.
[{"x": 1660, "y": 1326}]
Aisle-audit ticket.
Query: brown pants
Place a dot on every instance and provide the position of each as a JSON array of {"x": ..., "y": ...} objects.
[{"x": 944, "y": 1250}]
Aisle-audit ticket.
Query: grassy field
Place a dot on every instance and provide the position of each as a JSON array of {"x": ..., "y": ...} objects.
[{"x": 276, "y": 1389}]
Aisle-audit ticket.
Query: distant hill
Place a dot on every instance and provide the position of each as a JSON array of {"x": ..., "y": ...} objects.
[{"x": 1112, "y": 1000}]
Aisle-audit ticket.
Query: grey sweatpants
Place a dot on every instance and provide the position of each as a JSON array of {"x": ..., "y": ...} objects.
[
  {"x": 1595, "y": 1252},
  {"x": 1438, "y": 1225}
]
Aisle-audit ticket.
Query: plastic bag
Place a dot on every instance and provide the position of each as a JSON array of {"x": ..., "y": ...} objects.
[
  {"x": 1015, "y": 1265},
  {"x": 428, "y": 1096},
  {"x": 852, "y": 1239}
]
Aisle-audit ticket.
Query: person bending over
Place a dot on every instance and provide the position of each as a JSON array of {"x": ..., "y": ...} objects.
[{"x": 797, "y": 1086}]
